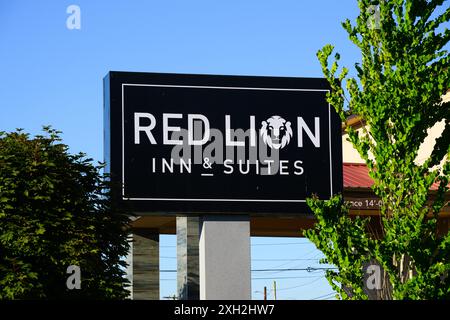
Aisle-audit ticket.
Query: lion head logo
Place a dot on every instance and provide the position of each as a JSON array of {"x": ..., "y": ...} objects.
[{"x": 276, "y": 132}]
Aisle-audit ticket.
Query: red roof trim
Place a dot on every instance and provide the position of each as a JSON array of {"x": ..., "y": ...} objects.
[{"x": 356, "y": 175}]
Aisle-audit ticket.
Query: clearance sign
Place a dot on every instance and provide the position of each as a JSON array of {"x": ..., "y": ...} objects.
[{"x": 180, "y": 143}]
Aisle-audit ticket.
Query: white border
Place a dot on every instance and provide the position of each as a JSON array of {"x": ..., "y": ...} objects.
[{"x": 229, "y": 88}]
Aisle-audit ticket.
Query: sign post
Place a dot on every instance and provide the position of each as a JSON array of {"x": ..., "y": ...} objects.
[{"x": 225, "y": 258}]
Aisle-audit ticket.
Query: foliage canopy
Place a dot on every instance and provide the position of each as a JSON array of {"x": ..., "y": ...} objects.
[
  {"x": 397, "y": 93},
  {"x": 56, "y": 211}
]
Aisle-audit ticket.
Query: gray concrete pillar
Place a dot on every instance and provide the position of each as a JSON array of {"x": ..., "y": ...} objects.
[
  {"x": 224, "y": 253},
  {"x": 145, "y": 264},
  {"x": 188, "y": 235}
]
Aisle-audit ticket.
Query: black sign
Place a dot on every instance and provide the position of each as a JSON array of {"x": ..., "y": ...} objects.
[{"x": 183, "y": 143}]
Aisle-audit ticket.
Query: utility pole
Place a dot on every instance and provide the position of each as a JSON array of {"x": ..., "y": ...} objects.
[
  {"x": 275, "y": 290},
  {"x": 265, "y": 293}
]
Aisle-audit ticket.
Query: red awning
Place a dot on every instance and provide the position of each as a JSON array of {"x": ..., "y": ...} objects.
[{"x": 356, "y": 175}]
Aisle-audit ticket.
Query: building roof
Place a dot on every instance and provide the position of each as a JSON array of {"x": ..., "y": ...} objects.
[
  {"x": 352, "y": 121},
  {"x": 356, "y": 175}
]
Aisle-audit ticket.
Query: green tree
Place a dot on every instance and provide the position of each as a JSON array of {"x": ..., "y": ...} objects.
[
  {"x": 56, "y": 211},
  {"x": 397, "y": 93}
]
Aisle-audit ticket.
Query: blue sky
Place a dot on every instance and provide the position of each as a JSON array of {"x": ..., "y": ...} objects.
[{"x": 53, "y": 75}]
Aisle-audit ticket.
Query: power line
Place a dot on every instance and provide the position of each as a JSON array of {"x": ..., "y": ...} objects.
[
  {"x": 271, "y": 278},
  {"x": 329, "y": 295},
  {"x": 299, "y": 277},
  {"x": 285, "y": 259},
  {"x": 261, "y": 244},
  {"x": 301, "y": 285},
  {"x": 309, "y": 269},
  {"x": 303, "y": 259},
  {"x": 280, "y": 244},
  {"x": 303, "y": 255}
]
